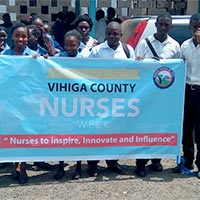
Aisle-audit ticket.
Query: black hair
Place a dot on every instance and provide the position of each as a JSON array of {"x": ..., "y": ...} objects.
[
  {"x": 16, "y": 26},
  {"x": 100, "y": 14},
  {"x": 114, "y": 24},
  {"x": 74, "y": 33},
  {"x": 70, "y": 16},
  {"x": 116, "y": 19},
  {"x": 61, "y": 16},
  {"x": 165, "y": 14},
  {"x": 2, "y": 28},
  {"x": 36, "y": 31},
  {"x": 111, "y": 12},
  {"x": 34, "y": 17},
  {"x": 195, "y": 17},
  {"x": 82, "y": 18},
  {"x": 6, "y": 16}
]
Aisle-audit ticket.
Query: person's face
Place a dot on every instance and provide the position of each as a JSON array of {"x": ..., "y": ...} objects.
[
  {"x": 113, "y": 35},
  {"x": 32, "y": 40},
  {"x": 71, "y": 45},
  {"x": 84, "y": 28},
  {"x": 6, "y": 19},
  {"x": 3, "y": 37},
  {"x": 47, "y": 29},
  {"x": 39, "y": 23},
  {"x": 20, "y": 37},
  {"x": 163, "y": 25},
  {"x": 195, "y": 28}
]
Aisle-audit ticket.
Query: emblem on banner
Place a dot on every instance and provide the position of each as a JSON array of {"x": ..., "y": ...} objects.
[{"x": 163, "y": 77}]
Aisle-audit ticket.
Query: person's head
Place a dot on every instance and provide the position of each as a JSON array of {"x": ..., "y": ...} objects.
[
  {"x": 116, "y": 19},
  {"x": 83, "y": 24},
  {"x": 44, "y": 40},
  {"x": 110, "y": 13},
  {"x": 47, "y": 28},
  {"x": 61, "y": 16},
  {"x": 195, "y": 24},
  {"x": 113, "y": 34},
  {"x": 163, "y": 23},
  {"x": 99, "y": 15},
  {"x": 6, "y": 18},
  {"x": 31, "y": 18},
  {"x": 72, "y": 41},
  {"x": 70, "y": 16},
  {"x": 19, "y": 34},
  {"x": 3, "y": 35},
  {"x": 34, "y": 34},
  {"x": 38, "y": 22}
]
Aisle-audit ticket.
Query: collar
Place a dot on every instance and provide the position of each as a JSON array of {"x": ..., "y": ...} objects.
[
  {"x": 195, "y": 42},
  {"x": 105, "y": 45},
  {"x": 152, "y": 38}
]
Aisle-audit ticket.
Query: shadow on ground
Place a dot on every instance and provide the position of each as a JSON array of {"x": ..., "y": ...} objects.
[{"x": 38, "y": 176}]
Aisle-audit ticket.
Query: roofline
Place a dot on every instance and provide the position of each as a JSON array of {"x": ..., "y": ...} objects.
[{"x": 155, "y": 16}]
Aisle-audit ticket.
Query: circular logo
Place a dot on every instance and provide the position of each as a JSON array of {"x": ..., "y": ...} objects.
[{"x": 163, "y": 77}]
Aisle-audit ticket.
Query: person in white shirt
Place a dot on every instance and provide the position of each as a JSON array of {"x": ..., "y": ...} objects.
[
  {"x": 190, "y": 52},
  {"x": 111, "y": 48},
  {"x": 84, "y": 24},
  {"x": 100, "y": 26},
  {"x": 165, "y": 48},
  {"x": 164, "y": 45},
  {"x": 72, "y": 40}
]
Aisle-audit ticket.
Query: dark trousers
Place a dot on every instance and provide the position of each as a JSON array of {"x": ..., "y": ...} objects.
[
  {"x": 191, "y": 126},
  {"x": 95, "y": 162},
  {"x": 140, "y": 163}
]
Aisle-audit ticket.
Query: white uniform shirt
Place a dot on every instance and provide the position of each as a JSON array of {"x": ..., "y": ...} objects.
[
  {"x": 104, "y": 51},
  {"x": 84, "y": 49},
  {"x": 191, "y": 54},
  {"x": 168, "y": 49},
  {"x": 101, "y": 30}
]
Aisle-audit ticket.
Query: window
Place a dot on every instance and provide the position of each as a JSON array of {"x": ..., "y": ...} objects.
[
  {"x": 53, "y": 17},
  {"x": 45, "y": 10},
  {"x": 54, "y": 3},
  {"x": 180, "y": 33},
  {"x": 65, "y": 9},
  {"x": 33, "y": 2},
  {"x": 23, "y": 9}
]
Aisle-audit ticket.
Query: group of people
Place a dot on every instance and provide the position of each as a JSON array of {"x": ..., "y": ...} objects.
[{"x": 35, "y": 40}]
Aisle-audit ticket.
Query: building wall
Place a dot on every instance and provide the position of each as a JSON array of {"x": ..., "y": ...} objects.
[
  {"x": 192, "y": 6},
  {"x": 47, "y": 9}
]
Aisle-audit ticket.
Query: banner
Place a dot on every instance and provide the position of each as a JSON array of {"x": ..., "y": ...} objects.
[{"x": 85, "y": 109}]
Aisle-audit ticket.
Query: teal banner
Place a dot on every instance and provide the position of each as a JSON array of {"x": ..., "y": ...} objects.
[{"x": 85, "y": 109}]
